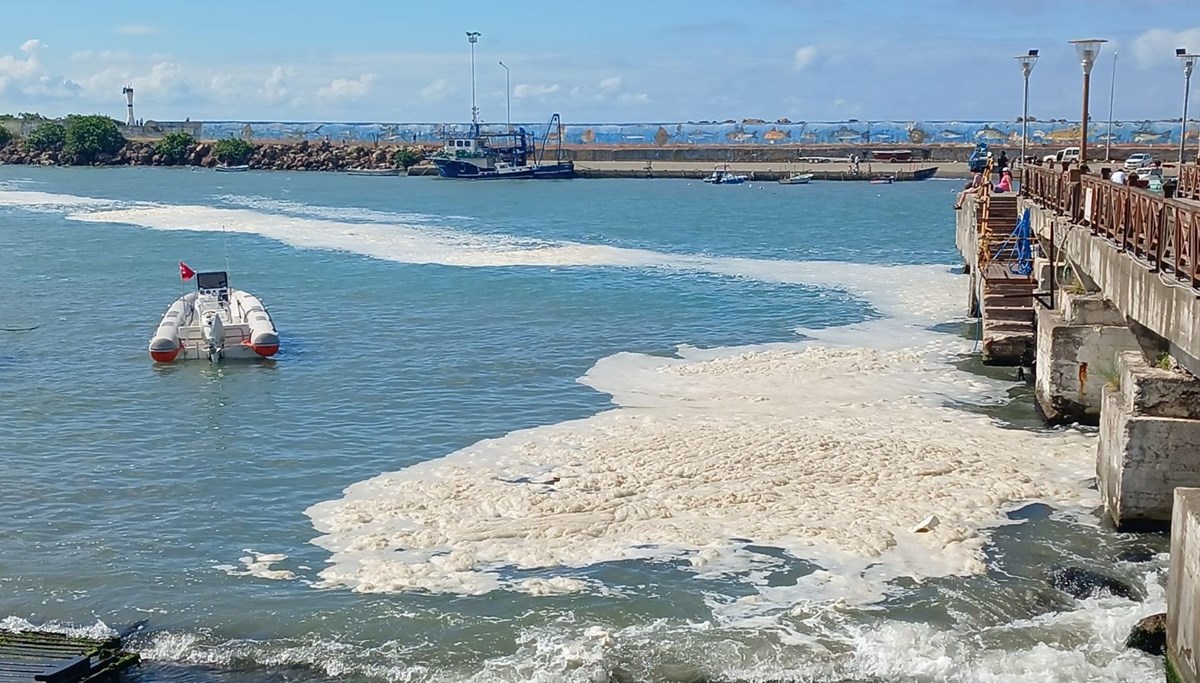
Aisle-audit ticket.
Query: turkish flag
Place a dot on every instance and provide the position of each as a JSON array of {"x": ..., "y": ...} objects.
[{"x": 185, "y": 273}]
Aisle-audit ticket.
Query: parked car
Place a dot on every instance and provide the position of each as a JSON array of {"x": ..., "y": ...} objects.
[
  {"x": 1070, "y": 154},
  {"x": 1139, "y": 160}
]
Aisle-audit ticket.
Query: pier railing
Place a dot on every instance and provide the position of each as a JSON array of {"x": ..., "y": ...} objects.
[
  {"x": 1163, "y": 234},
  {"x": 1189, "y": 182}
]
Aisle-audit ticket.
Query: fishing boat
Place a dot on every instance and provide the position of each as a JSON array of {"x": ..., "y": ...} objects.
[
  {"x": 796, "y": 179},
  {"x": 214, "y": 322},
  {"x": 722, "y": 175},
  {"x": 887, "y": 180},
  {"x": 374, "y": 171},
  {"x": 231, "y": 169},
  {"x": 512, "y": 154}
]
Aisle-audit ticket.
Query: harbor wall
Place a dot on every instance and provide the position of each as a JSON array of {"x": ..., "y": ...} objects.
[{"x": 751, "y": 132}]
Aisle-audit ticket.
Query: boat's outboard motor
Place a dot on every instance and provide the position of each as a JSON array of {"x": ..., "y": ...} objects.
[{"x": 214, "y": 334}]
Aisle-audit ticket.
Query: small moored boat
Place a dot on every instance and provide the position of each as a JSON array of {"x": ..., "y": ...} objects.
[
  {"x": 722, "y": 175},
  {"x": 231, "y": 169},
  {"x": 796, "y": 179},
  {"x": 214, "y": 322},
  {"x": 374, "y": 171}
]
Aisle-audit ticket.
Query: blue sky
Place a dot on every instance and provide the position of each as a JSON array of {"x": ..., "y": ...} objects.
[{"x": 614, "y": 61}]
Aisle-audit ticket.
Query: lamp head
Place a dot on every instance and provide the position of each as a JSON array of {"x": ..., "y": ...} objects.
[
  {"x": 473, "y": 36},
  {"x": 1187, "y": 59},
  {"x": 1027, "y": 61},
  {"x": 1087, "y": 50}
]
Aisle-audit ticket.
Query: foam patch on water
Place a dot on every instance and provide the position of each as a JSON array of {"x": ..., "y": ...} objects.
[
  {"x": 96, "y": 630},
  {"x": 258, "y": 565},
  {"x": 47, "y": 202}
]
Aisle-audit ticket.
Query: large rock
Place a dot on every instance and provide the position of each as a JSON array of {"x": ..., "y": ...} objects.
[
  {"x": 1085, "y": 583},
  {"x": 1149, "y": 635}
]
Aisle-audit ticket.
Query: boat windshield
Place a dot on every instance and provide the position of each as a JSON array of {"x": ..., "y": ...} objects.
[{"x": 214, "y": 280}]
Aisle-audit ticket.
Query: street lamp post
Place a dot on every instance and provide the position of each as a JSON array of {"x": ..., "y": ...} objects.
[
  {"x": 1112, "y": 89},
  {"x": 1087, "y": 50},
  {"x": 1027, "y": 61},
  {"x": 473, "y": 37},
  {"x": 1189, "y": 63},
  {"x": 507, "y": 97}
]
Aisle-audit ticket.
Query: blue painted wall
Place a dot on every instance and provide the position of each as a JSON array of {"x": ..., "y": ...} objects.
[{"x": 874, "y": 132}]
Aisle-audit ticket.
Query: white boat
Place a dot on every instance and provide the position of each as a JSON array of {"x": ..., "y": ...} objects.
[
  {"x": 796, "y": 179},
  {"x": 721, "y": 175},
  {"x": 214, "y": 322},
  {"x": 232, "y": 169},
  {"x": 374, "y": 171}
]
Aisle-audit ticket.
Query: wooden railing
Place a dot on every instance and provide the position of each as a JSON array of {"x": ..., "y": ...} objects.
[
  {"x": 1189, "y": 182},
  {"x": 1161, "y": 233}
]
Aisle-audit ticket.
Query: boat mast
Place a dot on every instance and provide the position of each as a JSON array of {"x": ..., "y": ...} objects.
[{"x": 473, "y": 37}]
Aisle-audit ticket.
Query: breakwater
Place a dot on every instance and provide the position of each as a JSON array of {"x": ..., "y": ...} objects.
[{"x": 298, "y": 156}]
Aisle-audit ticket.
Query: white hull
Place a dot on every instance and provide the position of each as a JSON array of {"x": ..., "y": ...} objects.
[{"x": 200, "y": 326}]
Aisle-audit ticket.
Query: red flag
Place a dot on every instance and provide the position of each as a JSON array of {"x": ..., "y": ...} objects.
[{"x": 185, "y": 273}]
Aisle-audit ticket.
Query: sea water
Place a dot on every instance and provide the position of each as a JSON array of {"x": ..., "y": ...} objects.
[{"x": 621, "y": 430}]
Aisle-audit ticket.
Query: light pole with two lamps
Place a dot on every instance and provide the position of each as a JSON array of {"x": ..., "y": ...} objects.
[
  {"x": 1189, "y": 63},
  {"x": 1087, "y": 49},
  {"x": 1027, "y": 61},
  {"x": 473, "y": 37}
]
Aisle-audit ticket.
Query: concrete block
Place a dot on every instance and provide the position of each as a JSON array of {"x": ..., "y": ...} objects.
[
  {"x": 1141, "y": 460},
  {"x": 1074, "y": 362},
  {"x": 1090, "y": 309},
  {"x": 1183, "y": 586},
  {"x": 1155, "y": 392}
]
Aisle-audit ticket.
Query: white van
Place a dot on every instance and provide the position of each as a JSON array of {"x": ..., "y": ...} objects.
[{"x": 1070, "y": 154}]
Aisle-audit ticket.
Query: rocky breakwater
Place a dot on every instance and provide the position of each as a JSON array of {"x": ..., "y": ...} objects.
[{"x": 295, "y": 156}]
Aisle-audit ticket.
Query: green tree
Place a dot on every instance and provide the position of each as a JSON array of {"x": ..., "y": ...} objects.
[
  {"x": 46, "y": 137},
  {"x": 174, "y": 147},
  {"x": 407, "y": 156},
  {"x": 233, "y": 151},
  {"x": 6, "y": 136},
  {"x": 89, "y": 137}
]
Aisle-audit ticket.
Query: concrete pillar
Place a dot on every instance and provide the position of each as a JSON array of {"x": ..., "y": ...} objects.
[
  {"x": 1149, "y": 442},
  {"x": 1077, "y": 347},
  {"x": 1183, "y": 587}
]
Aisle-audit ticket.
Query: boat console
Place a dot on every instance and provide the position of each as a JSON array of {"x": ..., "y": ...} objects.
[{"x": 214, "y": 284}]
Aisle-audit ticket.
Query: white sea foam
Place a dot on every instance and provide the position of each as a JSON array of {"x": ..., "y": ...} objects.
[
  {"x": 258, "y": 565},
  {"x": 830, "y": 452}
]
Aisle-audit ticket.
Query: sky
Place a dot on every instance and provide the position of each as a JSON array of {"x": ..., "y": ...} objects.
[{"x": 593, "y": 62}]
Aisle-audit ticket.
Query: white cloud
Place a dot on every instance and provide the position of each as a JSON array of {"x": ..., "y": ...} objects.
[
  {"x": 633, "y": 98},
  {"x": 1157, "y": 46},
  {"x": 804, "y": 57},
  {"x": 611, "y": 84},
  {"x": 436, "y": 91},
  {"x": 16, "y": 69},
  {"x": 348, "y": 88},
  {"x": 275, "y": 88},
  {"x": 138, "y": 30},
  {"x": 525, "y": 90}
]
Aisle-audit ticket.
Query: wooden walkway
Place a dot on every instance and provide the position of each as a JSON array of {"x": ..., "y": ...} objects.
[
  {"x": 1005, "y": 298},
  {"x": 34, "y": 656}
]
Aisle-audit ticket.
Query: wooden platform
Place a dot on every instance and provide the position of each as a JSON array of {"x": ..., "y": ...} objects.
[{"x": 35, "y": 656}]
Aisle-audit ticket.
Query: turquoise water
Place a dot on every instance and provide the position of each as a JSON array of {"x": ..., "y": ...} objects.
[{"x": 420, "y": 317}]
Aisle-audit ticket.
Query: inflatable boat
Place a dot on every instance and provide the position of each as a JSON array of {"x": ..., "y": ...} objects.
[{"x": 214, "y": 322}]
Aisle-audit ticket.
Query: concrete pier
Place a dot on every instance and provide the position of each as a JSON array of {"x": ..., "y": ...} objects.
[
  {"x": 1149, "y": 442},
  {"x": 1183, "y": 588},
  {"x": 1077, "y": 348}
]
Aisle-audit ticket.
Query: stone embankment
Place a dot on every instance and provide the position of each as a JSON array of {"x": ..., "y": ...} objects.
[{"x": 299, "y": 156}]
